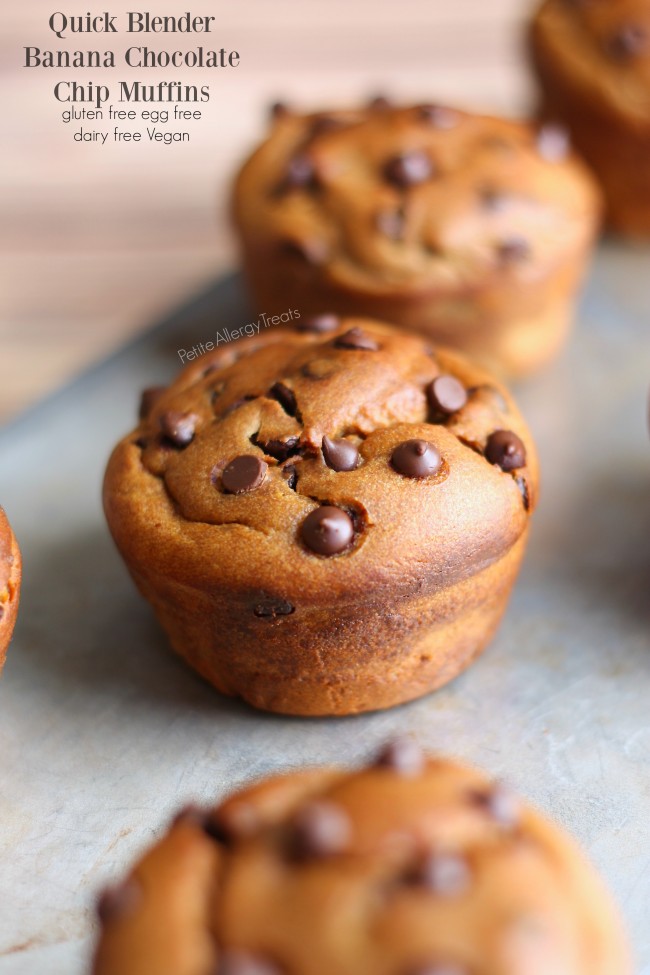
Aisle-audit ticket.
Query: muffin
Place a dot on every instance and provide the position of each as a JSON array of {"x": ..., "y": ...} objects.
[
  {"x": 10, "y": 573},
  {"x": 472, "y": 230},
  {"x": 327, "y": 518},
  {"x": 592, "y": 58},
  {"x": 412, "y": 866}
]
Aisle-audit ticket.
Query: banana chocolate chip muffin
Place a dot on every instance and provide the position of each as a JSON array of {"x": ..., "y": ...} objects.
[
  {"x": 593, "y": 61},
  {"x": 470, "y": 229},
  {"x": 412, "y": 866},
  {"x": 327, "y": 518},
  {"x": 10, "y": 575}
]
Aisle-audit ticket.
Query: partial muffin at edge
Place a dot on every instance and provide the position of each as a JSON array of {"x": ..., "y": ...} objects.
[
  {"x": 411, "y": 866},
  {"x": 593, "y": 64},
  {"x": 10, "y": 577}
]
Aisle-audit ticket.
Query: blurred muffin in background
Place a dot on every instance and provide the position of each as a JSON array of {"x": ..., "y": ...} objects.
[
  {"x": 472, "y": 230},
  {"x": 592, "y": 58}
]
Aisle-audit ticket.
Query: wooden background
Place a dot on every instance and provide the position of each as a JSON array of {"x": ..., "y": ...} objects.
[{"x": 98, "y": 240}]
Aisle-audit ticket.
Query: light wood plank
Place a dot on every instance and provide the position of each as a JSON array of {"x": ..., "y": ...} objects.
[{"x": 97, "y": 240}]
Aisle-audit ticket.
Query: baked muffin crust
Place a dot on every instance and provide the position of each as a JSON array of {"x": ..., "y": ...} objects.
[{"x": 304, "y": 580}]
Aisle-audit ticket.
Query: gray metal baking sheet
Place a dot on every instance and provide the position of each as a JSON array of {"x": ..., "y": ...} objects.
[{"x": 103, "y": 732}]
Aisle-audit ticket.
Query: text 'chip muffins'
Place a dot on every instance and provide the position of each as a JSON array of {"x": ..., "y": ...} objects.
[
  {"x": 10, "y": 577},
  {"x": 471, "y": 229},
  {"x": 593, "y": 60},
  {"x": 327, "y": 518},
  {"x": 412, "y": 866}
]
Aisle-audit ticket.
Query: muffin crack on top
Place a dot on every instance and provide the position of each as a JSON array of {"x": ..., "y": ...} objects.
[
  {"x": 416, "y": 387},
  {"x": 332, "y": 492}
]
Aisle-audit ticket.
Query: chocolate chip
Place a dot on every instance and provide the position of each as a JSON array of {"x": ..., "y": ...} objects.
[
  {"x": 432, "y": 249},
  {"x": 278, "y": 110},
  {"x": 244, "y": 474},
  {"x": 444, "y": 874},
  {"x": 514, "y": 250},
  {"x": 402, "y": 755},
  {"x": 280, "y": 449},
  {"x": 192, "y": 815},
  {"x": 313, "y": 250},
  {"x": 500, "y": 804},
  {"x": 439, "y": 116},
  {"x": 446, "y": 394},
  {"x": 300, "y": 173},
  {"x": 324, "y": 124},
  {"x": 118, "y": 901},
  {"x": 416, "y": 458},
  {"x": 628, "y": 41},
  {"x": 285, "y": 397},
  {"x": 290, "y": 474},
  {"x": 208, "y": 821},
  {"x": 233, "y": 962},
  {"x": 319, "y": 324},
  {"x": 356, "y": 338},
  {"x": 505, "y": 449},
  {"x": 409, "y": 168},
  {"x": 213, "y": 828},
  {"x": 553, "y": 143},
  {"x": 327, "y": 530},
  {"x": 391, "y": 223},
  {"x": 340, "y": 455},
  {"x": 234, "y": 821},
  {"x": 270, "y": 607},
  {"x": 379, "y": 103},
  {"x": 148, "y": 398},
  {"x": 178, "y": 428},
  {"x": 225, "y": 828},
  {"x": 319, "y": 829}
]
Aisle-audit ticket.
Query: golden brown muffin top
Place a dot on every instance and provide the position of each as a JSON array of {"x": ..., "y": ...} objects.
[
  {"x": 427, "y": 198},
  {"x": 321, "y": 461},
  {"x": 602, "y": 47},
  {"x": 412, "y": 866}
]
